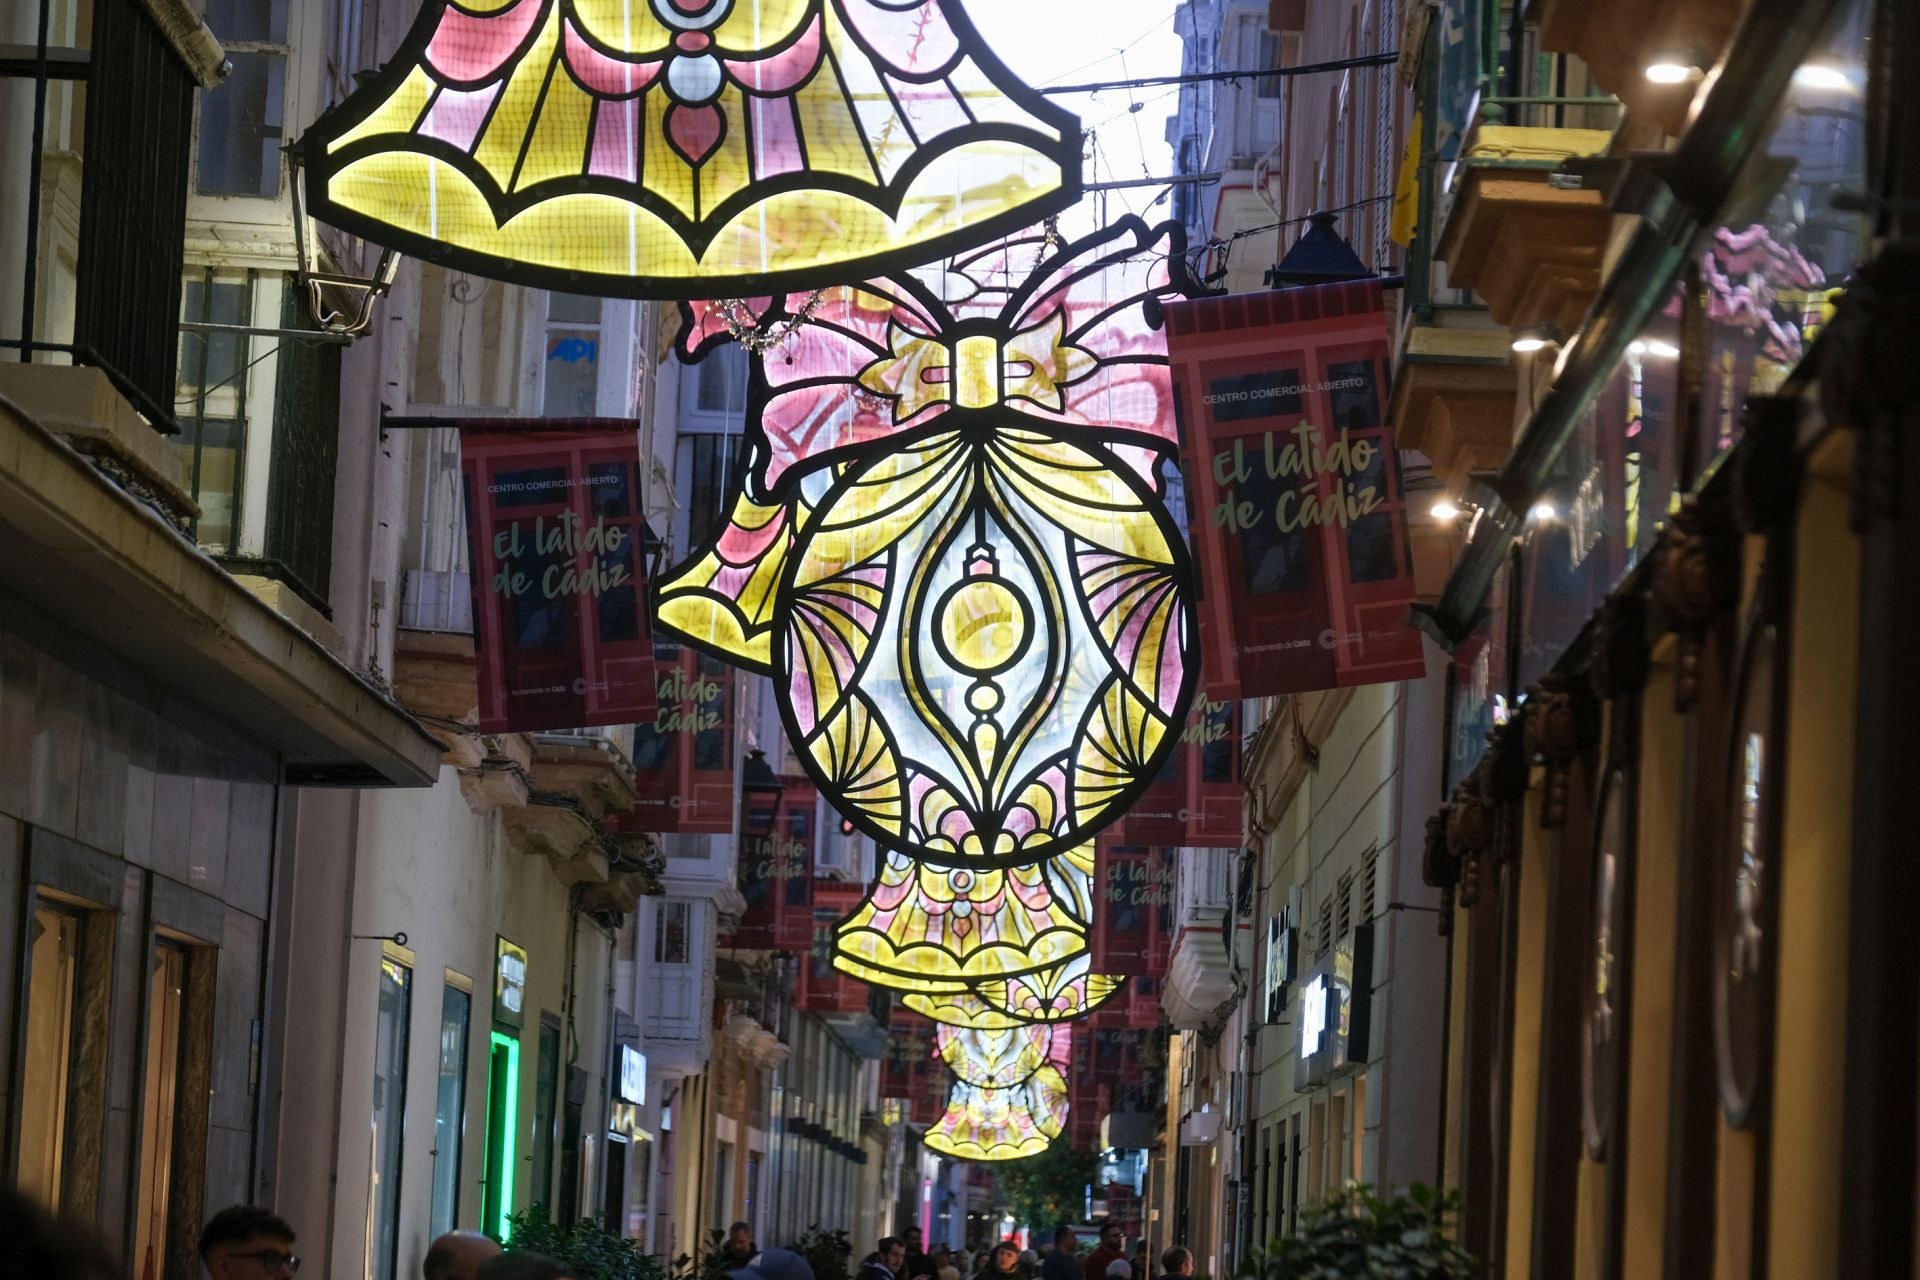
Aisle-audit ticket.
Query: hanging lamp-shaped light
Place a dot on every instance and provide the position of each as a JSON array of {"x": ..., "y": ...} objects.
[{"x": 690, "y": 148}]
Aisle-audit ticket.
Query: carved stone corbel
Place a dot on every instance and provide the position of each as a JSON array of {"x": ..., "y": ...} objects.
[
  {"x": 1560, "y": 722},
  {"x": 1508, "y": 775},
  {"x": 1869, "y": 380},
  {"x": 1696, "y": 578},
  {"x": 1439, "y": 868},
  {"x": 1470, "y": 831}
]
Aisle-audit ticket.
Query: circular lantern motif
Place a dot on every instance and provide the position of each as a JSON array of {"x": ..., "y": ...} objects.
[
  {"x": 1017, "y": 604},
  {"x": 995, "y": 1059}
]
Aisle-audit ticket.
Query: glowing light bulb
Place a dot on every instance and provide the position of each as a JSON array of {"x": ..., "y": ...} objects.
[
  {"x": 1529, "y": 344},
  {"x": 1670, "y": 72},
  {"x": 1444, "y": 510},
  {"x": 1543, "y": 511},
  {"x": 1821, "y": 75}
]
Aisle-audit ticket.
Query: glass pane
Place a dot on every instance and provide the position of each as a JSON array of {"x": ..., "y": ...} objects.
[
  {"x": 166, "y": 981},
  {"x": 722, "y": 385},
  {"x": 240, "y": 127},
  {"x": 261, "y": 21},
  {"x": 670, "y": 946},
  {"x": 212, "y": 446},
  {"x": 49, "y": 1049},
  {"x": 573, "y": 306},
  {"x": 213, "y": 361},
  {"x": 389, "y": 1116},
  {"x": 450, "y": 1107},
  {"x": 573, "y": 373}
]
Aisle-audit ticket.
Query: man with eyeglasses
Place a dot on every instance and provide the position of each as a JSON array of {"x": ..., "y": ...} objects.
[{"x": 248, "y": 1243}]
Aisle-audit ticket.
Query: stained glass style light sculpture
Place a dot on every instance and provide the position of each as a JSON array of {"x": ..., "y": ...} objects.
[
  {"x": 1001, "y": 1059},
  {"x": 951, "y": 547},
  {"x": 677, "y": 148},
  {"x": 925, "y": 926},
  {"x": 1063, "y": 994},
  {"x": 1001, "y": 1124}
]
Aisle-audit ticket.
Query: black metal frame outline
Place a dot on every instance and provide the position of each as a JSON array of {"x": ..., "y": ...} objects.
[{"x": 378, "y": 88}]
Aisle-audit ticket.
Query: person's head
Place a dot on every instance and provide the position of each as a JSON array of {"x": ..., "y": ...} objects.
[
  {"x": 947, "y": 1271},
  {"x": 1029, "y": 1258},
  {"x": 247, "y": 1242},
  {"x": 912, "y": 1236},
  {"x": 740, "y": 1240},
  {"x": 1177, "y": 1261},
  {"x": 1110, "y": 1237},
  {"x": 775, "y": 1264},
  {"x": 1119, "y": 1269},
  {"x": 893, "y": 1253},
  {"x": 33, "y": 1244},
  {"x": 1006, "y": 1256},
  {"x": 1063, "y": 1238},
  {"x": 457, "y": 1255},
  {"x": 524, "y": 1264}
]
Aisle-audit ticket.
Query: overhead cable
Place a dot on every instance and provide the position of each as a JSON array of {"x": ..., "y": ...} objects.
[{"x": 1205, "y": 77}]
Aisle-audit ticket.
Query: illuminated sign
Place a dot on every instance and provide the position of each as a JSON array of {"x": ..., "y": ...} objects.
[
  {"x": 1313, "y": 1016},
  {"x": 509, "y": 982},
  {"x": 633, "y": 1075}
]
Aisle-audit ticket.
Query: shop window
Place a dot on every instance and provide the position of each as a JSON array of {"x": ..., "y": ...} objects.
[
  {"x": 546, "y": 1085},
  {"x": 571, "y": 386},
  {"x": 159, "y": 1099},
  {"x": 243, "y": 119},
  {"x": 389, "y": 1116},
  {"x": 53, "y": 996},
  {"x": 450, "y": 1101}
]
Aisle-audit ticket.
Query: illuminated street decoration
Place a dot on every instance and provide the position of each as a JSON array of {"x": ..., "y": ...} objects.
[
  {"x": 1001, "y": 1124},
  {"x": 667, "y": 148},
  {"x": 949, "y": 927},
  {"x": 1057, "y": 995},
  {"x": 1001, "y": 1059},
  {"x": 953, "y": 510}
]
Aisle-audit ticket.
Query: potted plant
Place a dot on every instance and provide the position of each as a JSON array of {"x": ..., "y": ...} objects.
[
  {"x": 1359, "y": 1235},
  {"x": 588, "y": 1247}
]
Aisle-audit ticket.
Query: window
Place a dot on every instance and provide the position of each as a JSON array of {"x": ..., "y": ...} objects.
[
  {"x": 212, "y": 399},
  {"x": 722, "y": 1186},
  {"x": 159, "y": 1097},
  {"x": 546, "y": 1084},
  {"x": 389, "y": 1117},
  {"x": 720, "y": 383},
  {"x": 450, "y": 1102},
  {"x": 1369, "y": 885},
  {"x": 1266, "y": 55},
  {"x": 1343, "y": 923},
  {"x": 242, "y": 120},
  {"x": 52, "y": 1000},
  {"x": 751, "y": 1184},
  {"x": 572, "y": 380},
  {"x": 670, "y": 938},
  {"x": 1326, "y": 927},
  {"x": 710, "y": 463}
]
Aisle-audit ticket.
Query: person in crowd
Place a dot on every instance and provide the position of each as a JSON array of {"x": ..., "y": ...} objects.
[
  {"x": 1003, "y": 1263},
  {"x": 1112, "y": 1246},
  {"x": 457, "y": 1255},
  {"x": 888, "y": 1261},
  {"x": 1140, "y": 1271},
  {"x": 1176, "y": 1263},
  {"x": 1030, "y": 1261},
  {"x": 919, "y": 1267},
  {"x": 740, "y": 1245},
  {"x": 775, "y": 1264},
  {"x": 247, "y": 1242},
  {"x": 1120, "y": 1269},
  {"x": 33, "y": 1244},
  {"x": 1061, "y": 1264},
  {"x": 524, "y": 1264}
]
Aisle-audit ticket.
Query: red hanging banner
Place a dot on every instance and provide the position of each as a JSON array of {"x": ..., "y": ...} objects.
[
  {"x": 683, "y": 756},
  {"x": 554, "y": 538},
  {"x": 1133, "y": 911},
  {"x": 776, "y": 871},
  {"x": 1196, "y": 800},
  {"x": 823, "y": 988},
  {"x": 1298, "y": 514}
]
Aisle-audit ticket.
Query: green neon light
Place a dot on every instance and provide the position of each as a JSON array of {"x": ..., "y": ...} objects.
[{"x": 510, "y": 1124}]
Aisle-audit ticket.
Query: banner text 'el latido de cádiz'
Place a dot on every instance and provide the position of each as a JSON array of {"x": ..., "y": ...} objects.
[
  {"x": 556, "y": 557},
  {"x": 1296, "y": 507}
]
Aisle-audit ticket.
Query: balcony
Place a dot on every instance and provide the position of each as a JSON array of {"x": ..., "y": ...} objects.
[
  {"x": 1516, "y": 231},
  {"x": 1200, "y": 978},
  {"x": 1615, "y": 41}
]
